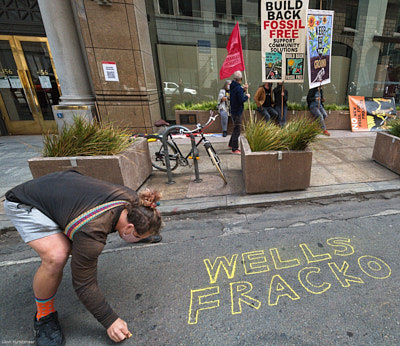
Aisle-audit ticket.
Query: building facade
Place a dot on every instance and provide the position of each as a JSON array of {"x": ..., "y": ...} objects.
[{"x": 131, "y": 61}]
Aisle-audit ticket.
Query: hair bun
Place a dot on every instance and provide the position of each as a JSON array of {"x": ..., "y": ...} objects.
[{"x": 149, "y": 198}]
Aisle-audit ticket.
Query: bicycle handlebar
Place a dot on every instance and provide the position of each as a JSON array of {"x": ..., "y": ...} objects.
[{"x": 200, "y": 127}]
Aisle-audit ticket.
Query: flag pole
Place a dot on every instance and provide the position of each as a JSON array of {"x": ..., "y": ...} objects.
[
  {"x": 282, "y": 96},
  {"x": 248, "y": 100}
]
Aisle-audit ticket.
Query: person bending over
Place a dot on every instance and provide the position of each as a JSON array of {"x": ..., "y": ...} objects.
[{"x": 67, "y": 213}]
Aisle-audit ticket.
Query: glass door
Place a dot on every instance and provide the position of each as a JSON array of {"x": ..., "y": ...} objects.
[{"x": 28, "y": 85}]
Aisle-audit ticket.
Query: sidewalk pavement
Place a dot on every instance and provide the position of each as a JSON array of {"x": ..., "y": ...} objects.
[{"x": 342, "y": 166}]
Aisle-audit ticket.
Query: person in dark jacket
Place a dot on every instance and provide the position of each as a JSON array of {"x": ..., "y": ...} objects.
[
  {"x": 315, "y": 99},
  {"x": 280, "y": 94},
  {"x": 60, "y": 209},
  {"x": 238, "y": 98}
]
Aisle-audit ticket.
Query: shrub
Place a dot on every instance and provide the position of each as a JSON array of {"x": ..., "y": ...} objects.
[
  {"x": 203, "y": 106},
  {"x": 293, "y": 106},
  {"x": 83, "y": 138},
  {"x": 334, "y": 107},
  {"x": 296, "y": 135},
  {"x": 394, "y": 127}
]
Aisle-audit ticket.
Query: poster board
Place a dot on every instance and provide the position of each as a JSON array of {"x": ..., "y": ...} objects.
[
  {"x": 283, "y": 40},
  {"x": 371, "y": 113},
  {"x": 319, "y": 47}
]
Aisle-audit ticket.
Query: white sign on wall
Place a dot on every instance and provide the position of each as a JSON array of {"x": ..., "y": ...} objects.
[{"x": 110, "y": 71}]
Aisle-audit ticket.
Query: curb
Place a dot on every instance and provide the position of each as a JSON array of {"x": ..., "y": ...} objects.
[
  {"x": 175, "y": 207},
  {"x": 204, "y": 204}
]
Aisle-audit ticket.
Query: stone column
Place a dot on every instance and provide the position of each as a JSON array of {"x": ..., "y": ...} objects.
[{"x": 66, "y": 50}]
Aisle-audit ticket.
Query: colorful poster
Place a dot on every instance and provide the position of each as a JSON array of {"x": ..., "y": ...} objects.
[
  {"x": 319, "y": 44},
  {"x": 371, "y": 113},
  {"x": 283, "y": 40}
]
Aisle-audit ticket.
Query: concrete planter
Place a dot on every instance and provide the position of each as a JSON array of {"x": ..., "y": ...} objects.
[
  {"x": 336, "y": 120},
  {"x": 387, "y": 151},
  {"x": 273, "y": 171},
  {"x": 129, "y": 168}
]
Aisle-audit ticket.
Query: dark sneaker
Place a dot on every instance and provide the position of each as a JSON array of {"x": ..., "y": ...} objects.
[{"x": 48, "y": 331}]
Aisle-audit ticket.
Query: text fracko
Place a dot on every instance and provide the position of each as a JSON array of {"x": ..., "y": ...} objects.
[{"x": 276, "y": 286}]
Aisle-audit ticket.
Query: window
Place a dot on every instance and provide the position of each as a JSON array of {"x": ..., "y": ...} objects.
[
  {"x": 351, "y": 16},
  {"x": 220, "y": 8},
  {"x": 190, "y": 8},
  {"x": 185, "y": 8},
  {"x": 236, "y": 8},
  {"x": 166, "y": 6}
]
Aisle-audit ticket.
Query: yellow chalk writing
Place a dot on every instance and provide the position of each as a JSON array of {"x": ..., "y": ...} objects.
[
  {"x": 279, "y": 288},
  {"x": 279, "y": 263},
  {"x": 311, "y": 258},
  {"x": 239, "y": 295},
  {"x": 254, "y": 262},
  {"x": 305, "y": 281},
  {"x": 198, "y": 302},
  {"x": 342, "y": 276},
  {"x": 343, "y": 243},
  {"x": 228, "y": 266},
  {"x": 374, "y": 267}
]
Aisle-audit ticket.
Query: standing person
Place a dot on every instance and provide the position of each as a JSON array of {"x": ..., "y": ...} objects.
[
  {"x": 238, "y": 98},
  {"x": 264, "y": 100},
  {"x": 315, "y": 99},
  {"x": 223, "y": 106},
  {"x": 278, "y": 94},
  {"x": 67, "y": 213}
]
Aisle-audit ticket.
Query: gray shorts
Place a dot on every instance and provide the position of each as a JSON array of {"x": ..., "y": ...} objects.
[{"x": 30, "y": 222}]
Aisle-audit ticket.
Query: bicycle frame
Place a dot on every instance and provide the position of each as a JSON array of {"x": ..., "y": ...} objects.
[{"x": 164, "y": 156}]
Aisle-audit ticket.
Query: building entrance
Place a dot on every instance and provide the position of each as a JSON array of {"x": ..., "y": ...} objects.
[{"x": 28, "y": 85}]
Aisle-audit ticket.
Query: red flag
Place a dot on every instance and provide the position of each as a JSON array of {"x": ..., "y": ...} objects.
[{"x": 234, "y": 60}]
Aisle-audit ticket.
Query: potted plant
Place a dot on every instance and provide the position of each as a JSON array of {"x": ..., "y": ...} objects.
[
  {"x": 387, "y": 147},
  {"x": 277, "y": 159},
  {"x": 100, "y": 151}
]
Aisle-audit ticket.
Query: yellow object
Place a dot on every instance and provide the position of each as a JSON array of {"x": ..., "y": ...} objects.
[
  {"x": 129, "y": 336},
  {"x": 151, "y": 140}
]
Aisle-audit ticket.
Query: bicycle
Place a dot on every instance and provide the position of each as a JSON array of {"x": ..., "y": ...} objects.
[{"x": 176, "y": 158}]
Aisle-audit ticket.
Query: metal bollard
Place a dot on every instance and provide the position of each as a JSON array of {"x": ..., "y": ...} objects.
[{"x": 195, "y": 157}]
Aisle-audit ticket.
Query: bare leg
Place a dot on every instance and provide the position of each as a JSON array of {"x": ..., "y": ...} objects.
[{"x": 54, "y": 251}]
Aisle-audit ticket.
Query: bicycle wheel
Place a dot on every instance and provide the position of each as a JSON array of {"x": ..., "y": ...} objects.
[
  {"x": 157, "y": 154},
  {"x": 216, "y": 162}
]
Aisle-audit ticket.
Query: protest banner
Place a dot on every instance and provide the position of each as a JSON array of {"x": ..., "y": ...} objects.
[
  {"x": 371, "y": 113},
  {"x": 319, "y": 47},
  {"x": 283, "y": 40}
]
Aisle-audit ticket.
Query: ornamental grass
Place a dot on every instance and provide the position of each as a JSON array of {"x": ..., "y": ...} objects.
[
  {"x": 296, "y": 135},
  {"x": 394, "y": 127},
  {"x": 83, "y": 138}
]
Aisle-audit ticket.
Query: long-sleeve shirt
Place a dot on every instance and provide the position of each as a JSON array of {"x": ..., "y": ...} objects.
[
  {"x": 238, "y": 98},
  {"x": 278, "y": 96},
  {"x": 263, "y": 97},
  {"x": 63, "y": 197}
]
